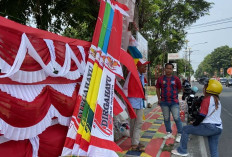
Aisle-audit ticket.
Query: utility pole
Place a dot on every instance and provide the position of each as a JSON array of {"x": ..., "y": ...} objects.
[
  {"x": 186, "y": 49},
  {"x": 189, "y": 66}
]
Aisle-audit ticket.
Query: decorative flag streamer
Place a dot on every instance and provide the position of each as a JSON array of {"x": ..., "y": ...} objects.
[
  {"x": 118, "y": 105},
  {"x": 83, "y": 136},
  {"x": 77, "y": 114},
  {"x": 102, "y": 139},
  {"x": 120, "y": 91}
]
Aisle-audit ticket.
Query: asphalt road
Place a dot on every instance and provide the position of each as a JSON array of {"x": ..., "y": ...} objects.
[{"x": 225, "y": 148}]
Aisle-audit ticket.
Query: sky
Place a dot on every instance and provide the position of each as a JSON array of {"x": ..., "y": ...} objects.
[{"x": 204, "y": 43}]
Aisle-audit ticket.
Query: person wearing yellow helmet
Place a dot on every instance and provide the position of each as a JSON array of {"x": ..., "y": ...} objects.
[{"x": 208, "y": 122}]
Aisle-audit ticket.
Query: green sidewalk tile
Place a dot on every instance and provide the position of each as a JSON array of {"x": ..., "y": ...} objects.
[
  {"x": 159, "y": 135},
  {"x": 121, "y": 155}
]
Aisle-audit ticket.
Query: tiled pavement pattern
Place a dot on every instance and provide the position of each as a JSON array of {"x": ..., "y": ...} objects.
[{"x": 153, "y": 131}]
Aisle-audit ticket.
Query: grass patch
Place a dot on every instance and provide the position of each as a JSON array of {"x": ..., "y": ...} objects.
[{"x": 151, "y": 90}]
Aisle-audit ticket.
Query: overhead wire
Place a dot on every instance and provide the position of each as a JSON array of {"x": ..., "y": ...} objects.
[
  {"x": 210, "y": 30},
  {"x": 208, "y": 25},
  {"x": 215, "y": 21},
  {"x": 211, "y": 23}
]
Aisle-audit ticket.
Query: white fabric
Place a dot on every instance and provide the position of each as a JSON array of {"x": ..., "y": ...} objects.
[
  {"x": 5, "y": 67},
  {"x": 51, "y": 48},
  {"x": 132, "y": 41},
  {"x": 16, "y": 133},
  {"x": 18, "y": 59},
  {"x": 3, "y": 139},
  {"x": 123, "y": 12},
  {"x": 82, "y": 152},
  {"x": 113, "y": 65},
  {"x": 30, "y": 92},
  {"x": 100, "y": 152},
  {"x": 213, "y": 117},
  {"x": 122, "y": 105},
  {"x": 35, "y": 145},
  {"x": 73, "y": 56},
  {"x": 75, "y": 149},
  {"x": 66, "y": 151},
  {"x": 125, "y": 87},
  {"x": 83, "y": 56},
  {"x": 36, "y": 76},
  {"x": 102, "y": 127},
  {"x": 29, "y": 76}
]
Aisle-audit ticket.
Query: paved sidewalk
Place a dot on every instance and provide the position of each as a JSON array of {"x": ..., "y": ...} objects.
[{"x": 153, "y": 131}]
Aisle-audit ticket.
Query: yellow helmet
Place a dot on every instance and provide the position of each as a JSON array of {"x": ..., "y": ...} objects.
[{"x": 214, "y": 87}]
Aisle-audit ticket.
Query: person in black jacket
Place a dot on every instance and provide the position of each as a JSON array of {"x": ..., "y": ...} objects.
[
  {"x": 208, "y": 122},
  {"x": 186, "y": 86}
]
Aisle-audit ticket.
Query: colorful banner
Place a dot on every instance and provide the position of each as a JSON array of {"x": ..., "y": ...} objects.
[
  {"x": 83, "y": 136},
  {"x": 78, "y": 111}
]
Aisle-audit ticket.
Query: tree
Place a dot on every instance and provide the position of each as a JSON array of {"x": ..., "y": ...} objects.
[
  {"x": 221, "y": 57},
  {"x": 54, "y": 16},
  {"x": 183, "y": 68},
  {"x": 162, "y": 23}
]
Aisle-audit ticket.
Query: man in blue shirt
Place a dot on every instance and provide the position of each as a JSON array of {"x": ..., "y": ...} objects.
[{"x": 138, "y": 105}]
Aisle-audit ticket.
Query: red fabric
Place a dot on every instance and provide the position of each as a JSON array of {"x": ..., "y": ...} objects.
[
  {"x": 205, "y": 106},
  {"x": 69, "y": 143},
  {"x": 98, "y": 26},
  {"x": 117, "y": 108},
  {"x": 84, "y": 145},
  {"x": 52, "y": 141},
  {"x": 19, "y": 113},
  {"x": 142, "y": 62},
  {"x": 11, "y": 39},
  {"x": 145, "y": 80},
  {"x": 133, "y": 87},
  {"x": 16, "y": 148},
  {"x": 129, "y": 106},
  {"x": 116, "y": 36},
  {"x": 124, "y": 7},
  {"x": 128, "y": 61},
  {"x": 95, "y": 141}
]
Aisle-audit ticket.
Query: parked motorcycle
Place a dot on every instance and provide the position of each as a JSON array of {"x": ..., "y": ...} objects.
[{"x": 193, "y": 103}]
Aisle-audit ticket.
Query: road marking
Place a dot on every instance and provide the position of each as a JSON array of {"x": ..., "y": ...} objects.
[
  {"x": 161, "y": 147},
  {"x": 202, "y": 147}
]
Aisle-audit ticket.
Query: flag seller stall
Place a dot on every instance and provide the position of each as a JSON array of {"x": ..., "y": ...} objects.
[{"x": 57, "y": 93}]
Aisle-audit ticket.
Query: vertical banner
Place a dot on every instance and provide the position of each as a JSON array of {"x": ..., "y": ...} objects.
[
  {"x": 102, "y": 137},
  {"x": 78, "y": 111}
]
